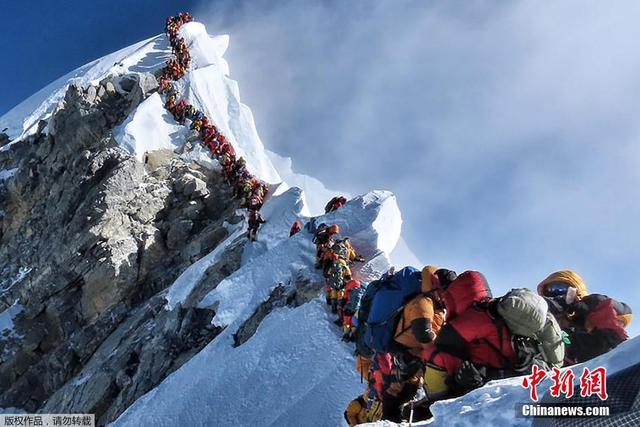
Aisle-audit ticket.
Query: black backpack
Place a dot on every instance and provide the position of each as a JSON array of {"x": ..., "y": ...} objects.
[{"x": 320, "y": 230}]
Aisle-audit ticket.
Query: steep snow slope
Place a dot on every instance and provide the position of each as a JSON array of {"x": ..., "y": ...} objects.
[
  {"x": 294, "y": 370},
  {"x": 150, "y": 128},
  {"x": 146, "y": 56},
  {"x": 208, "y": 88},
  {"x": 297, "y": 345}
]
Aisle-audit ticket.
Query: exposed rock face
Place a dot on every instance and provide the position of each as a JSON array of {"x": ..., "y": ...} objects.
[
  {"x": 298, "y": 291},
  {"x": 89, "y": 239}
]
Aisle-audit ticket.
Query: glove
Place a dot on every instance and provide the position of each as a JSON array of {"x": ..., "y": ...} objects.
[{"x": 468, "y": 377}]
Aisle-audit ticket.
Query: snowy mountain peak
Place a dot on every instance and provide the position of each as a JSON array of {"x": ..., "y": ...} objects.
[{"x": 154, "y": 265}]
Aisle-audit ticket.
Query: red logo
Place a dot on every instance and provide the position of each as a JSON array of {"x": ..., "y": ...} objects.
[
  {"x": 532, "y": 381},
  {"x": 594, "y": 382},
  {"x": 591, "y": 382}
]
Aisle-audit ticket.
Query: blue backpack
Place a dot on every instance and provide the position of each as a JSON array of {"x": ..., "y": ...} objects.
[
  {"x": 363, "y": 313},
  {"x": 386, "y": 307}
]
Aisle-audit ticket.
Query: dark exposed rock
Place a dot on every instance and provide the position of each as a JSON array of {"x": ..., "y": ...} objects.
[
  {"x": 90, "y": 239},
  {"x": 298, "y": 291}
]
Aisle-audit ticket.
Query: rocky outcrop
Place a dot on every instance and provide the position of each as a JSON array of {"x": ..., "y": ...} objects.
[
  {"x": 299, "y": 290},
  {"x": 89, "y": 240}
]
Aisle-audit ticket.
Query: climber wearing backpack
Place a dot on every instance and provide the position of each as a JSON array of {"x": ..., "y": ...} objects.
[
  {"x": 255, "y": 219},
  {"x": 417, "y": 325},
  {"x": 486, "y": 338},
  {"x": 422, "y": 317},
  {"x": 335, "y": 204},
  {"x": 295, "y": 228},
  {"x": 324, "y": 239},
  {"x": 338, "y": 275},
  {"x": 470, "y": 333},
  {"x": 384, "y": 308},
  {"x": 594, "y": 323},
  {"x": 350, "y": 253},
  {"x": 336, "y": 251},
  {"x": 348, "y": 306},
  {"x": 368, "y": 406}
]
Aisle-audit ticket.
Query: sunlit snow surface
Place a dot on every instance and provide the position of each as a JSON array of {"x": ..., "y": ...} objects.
[
  {"x": 295, "y": 370},
  {"x": 146, "y": 56}
]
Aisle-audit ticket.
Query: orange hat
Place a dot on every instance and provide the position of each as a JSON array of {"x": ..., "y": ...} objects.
[
  {"x": 429, "y": 279},
  {"x": 334, "y": 229},
  {"x": 571, "y": 278}
]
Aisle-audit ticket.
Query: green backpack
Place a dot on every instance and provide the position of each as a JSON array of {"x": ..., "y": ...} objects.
[{"x": 536, "y": 331}]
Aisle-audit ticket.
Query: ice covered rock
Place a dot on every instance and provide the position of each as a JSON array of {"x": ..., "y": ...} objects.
[{"x": 146, "y": 56}]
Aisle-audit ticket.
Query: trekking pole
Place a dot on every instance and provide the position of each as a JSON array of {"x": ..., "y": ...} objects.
[{"x": 411, "y": 414}]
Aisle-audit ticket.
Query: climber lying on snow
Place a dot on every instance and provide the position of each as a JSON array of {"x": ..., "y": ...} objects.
[{"x": 482, "y": 338}]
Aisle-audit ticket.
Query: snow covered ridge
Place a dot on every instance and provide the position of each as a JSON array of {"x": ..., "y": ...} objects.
[
  {"x": 295, "y": 370},
  {"x": 146, "y": 56},
  {"x": 196, "y": 85},
  {"x": 295, "y": 354}
]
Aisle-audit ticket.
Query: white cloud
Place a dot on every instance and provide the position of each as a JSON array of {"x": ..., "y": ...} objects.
[{"x": 508, "y": 131}]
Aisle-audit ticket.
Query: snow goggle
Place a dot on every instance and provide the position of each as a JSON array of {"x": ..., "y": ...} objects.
[{"x": 556, "y": 289}]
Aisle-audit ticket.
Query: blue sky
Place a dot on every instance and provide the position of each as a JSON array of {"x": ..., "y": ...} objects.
[
  {"x": 508, "y": 131},
  {"x": 43, "y": 40}
]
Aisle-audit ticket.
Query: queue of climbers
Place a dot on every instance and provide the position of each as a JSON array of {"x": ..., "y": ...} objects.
[
  {"x": 250, "y": 190},
  {"x": 423, "y": 336}
]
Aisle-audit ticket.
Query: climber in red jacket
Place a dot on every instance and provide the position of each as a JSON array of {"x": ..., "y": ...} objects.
[
  {"x": 594, "y": 323},
  {"x": 335, "y": 203},
  {"x": 295, "y": 228},
  {"x": 472, "y": 333}
]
